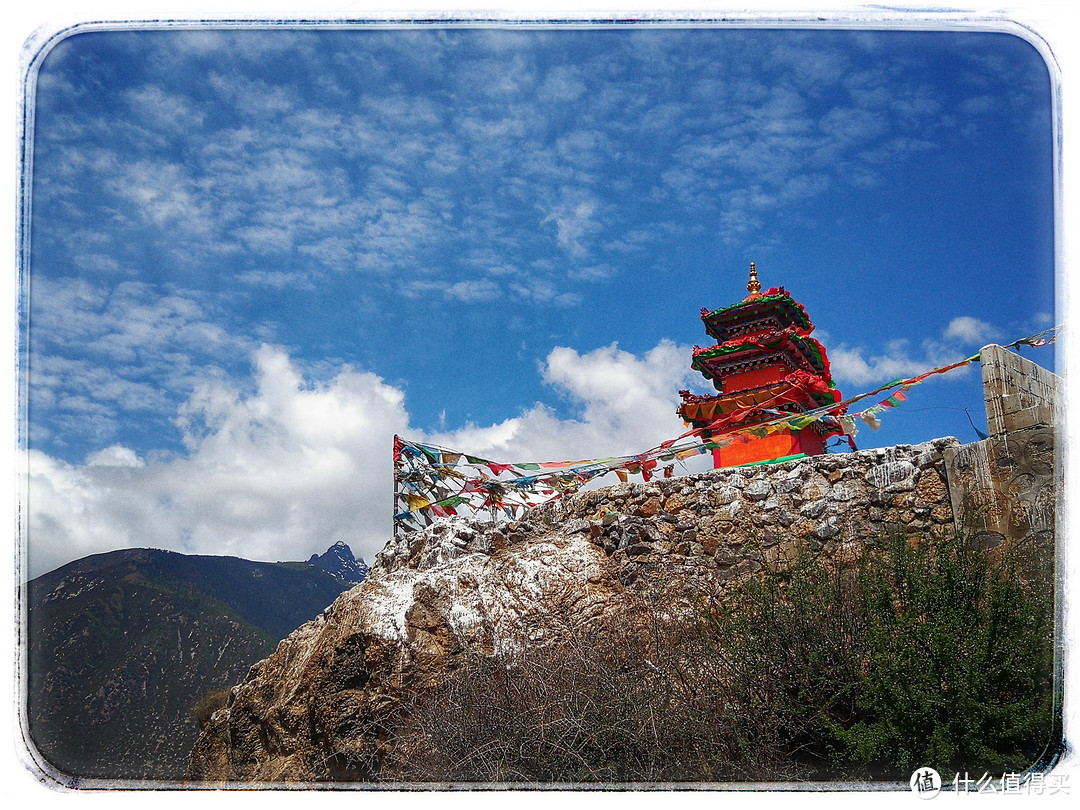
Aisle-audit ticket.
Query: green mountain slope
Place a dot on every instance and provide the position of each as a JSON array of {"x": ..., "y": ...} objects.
[{"x": 121, "y": 646}]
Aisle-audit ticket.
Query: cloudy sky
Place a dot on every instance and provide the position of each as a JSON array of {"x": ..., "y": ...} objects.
[{"x": 255, "y": 255}]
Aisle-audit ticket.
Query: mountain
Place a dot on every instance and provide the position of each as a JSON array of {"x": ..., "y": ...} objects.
[
  {"x": 339, "y": 561},
  {"x": 121, "y": 647}
]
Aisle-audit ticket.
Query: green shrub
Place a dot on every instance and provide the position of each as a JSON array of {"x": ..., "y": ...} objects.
[
  {"x": 938, "y": 655},
  {"x": 790, "y": 640},
  {"x": 959, "y": 652}
]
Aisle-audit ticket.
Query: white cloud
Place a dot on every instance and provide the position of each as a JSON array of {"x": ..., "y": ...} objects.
[
  {"x": 627, "y": 405},
  {"x": 115, "y": 456},
  {"x": 275, "y": 279},
  {"x": 899, "y": 360},
  {"x": 121, "y": 352},
  {"x": 240, "y": 158},
  {"x": 477, "y": 290},
  {"x": 163, "y": 194},
  {"x": 275, "y": 475},
  {"x": 292, "y": 467},
  {"x": 849, "y": 365},
  {"x": 163, "y": 109},
  {"x": 970, "y": 330},
  {"x": 562, "y": 84},
  {"x": 573, "y": 222}
]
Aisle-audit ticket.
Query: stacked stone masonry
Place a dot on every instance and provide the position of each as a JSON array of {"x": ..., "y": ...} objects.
[
  {"x": 741, "y": 517},
  {"x": 1006, "y": 486},
  {"x": 1019, "y": 393}
]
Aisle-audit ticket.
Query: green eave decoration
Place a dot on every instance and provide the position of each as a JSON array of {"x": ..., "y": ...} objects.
[
  {"x": 744, "y": 310},
  {"x": 808, "y": 346},
  {"x": 827, "y": 399}
]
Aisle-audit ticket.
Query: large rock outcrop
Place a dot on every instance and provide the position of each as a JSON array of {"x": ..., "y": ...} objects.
[{"x": 328, "y": 703}]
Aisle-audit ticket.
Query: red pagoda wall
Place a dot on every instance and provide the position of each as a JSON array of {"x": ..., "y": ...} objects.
[
  {"x": 753, "y": 378},
  {"x": 766, "y": 448}
]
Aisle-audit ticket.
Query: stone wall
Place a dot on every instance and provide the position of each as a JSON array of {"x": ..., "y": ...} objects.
[
  {"x": 740, "y": 517},
  {"x": 1019, "y": 393},
  {"x": 728, "y": 521},
  {"x": 1004, "y": 488}
]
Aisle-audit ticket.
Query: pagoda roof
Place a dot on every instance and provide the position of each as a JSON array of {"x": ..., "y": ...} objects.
[
  {"x": 712, "y": 361},
  {"x": 775, "y": 305}
]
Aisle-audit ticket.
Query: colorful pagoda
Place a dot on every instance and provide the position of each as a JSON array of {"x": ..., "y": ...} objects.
[{"x": 765, "y": 366}]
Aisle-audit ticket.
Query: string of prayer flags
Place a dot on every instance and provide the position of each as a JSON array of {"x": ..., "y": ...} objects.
[{"x": 430, "y": 480}]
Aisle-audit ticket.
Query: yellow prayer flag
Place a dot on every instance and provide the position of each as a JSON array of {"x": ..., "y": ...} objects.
[{"x": 416, "y": 501}]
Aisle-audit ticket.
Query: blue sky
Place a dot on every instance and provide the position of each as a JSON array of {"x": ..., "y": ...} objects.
[{"x": 256, "y": 255}]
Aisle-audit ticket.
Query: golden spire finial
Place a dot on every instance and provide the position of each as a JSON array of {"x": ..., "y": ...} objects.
[{"x": 754, "y": 287}]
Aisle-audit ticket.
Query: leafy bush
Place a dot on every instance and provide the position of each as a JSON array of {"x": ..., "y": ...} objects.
[
  {"x": 959, "y": 651},
  {"x": 937, "y": 655}
]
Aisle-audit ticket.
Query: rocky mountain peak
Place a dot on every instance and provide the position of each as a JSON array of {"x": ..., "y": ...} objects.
[{"x": 340, "y": 561}]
